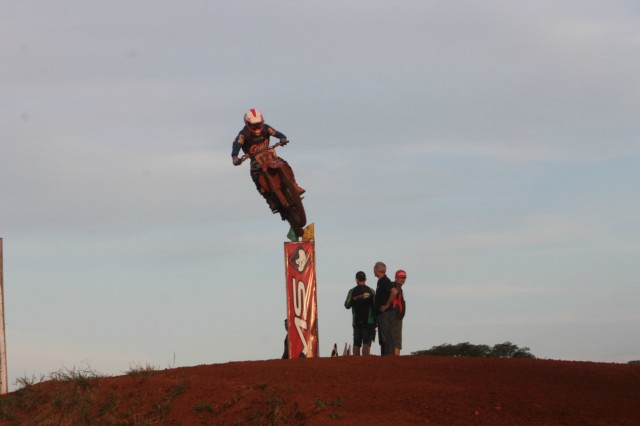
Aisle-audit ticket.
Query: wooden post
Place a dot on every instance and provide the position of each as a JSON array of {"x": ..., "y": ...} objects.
[{"x": 3, "y": 339}]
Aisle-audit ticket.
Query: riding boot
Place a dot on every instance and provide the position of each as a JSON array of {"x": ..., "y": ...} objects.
[
  {"x": 272, "y": 204},
  {"x": 289, "y": 172}
]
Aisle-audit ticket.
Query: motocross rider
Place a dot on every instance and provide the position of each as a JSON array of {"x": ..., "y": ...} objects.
[{"x": 253, "y": 138}]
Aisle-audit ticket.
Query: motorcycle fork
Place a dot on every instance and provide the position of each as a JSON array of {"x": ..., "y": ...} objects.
[{"x": 270, "y": 179}]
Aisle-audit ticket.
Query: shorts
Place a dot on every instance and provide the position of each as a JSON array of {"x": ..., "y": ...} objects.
[
  {"x": 396, "y": 332},
  {"x": 362, "y": 335}
]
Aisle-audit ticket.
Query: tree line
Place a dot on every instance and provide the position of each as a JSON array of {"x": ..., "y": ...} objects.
[{"x": 500, "y": 350}]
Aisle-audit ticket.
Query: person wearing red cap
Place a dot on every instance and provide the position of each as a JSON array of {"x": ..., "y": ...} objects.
[{"x": 400, "y": 307}]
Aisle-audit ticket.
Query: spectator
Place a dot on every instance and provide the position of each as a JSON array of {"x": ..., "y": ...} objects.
[
  {"x": 386, "y": 293},
  {"x": 360, "y": 301},
  {"x": 334, "y": 352},
  {"x": 285, "y": 355},
  {"x": 400, "y": 308},
  {"x": 347, "y": 350}
]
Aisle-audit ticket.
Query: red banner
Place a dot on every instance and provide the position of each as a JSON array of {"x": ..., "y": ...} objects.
[{"x": 302, "y": 305}]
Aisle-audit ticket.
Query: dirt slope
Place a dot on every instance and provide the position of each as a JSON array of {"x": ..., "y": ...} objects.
[{"x": 408, "y": 390}]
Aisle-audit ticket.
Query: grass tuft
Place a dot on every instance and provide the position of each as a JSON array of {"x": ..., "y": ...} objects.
[
  {"x": 28, "y": 382},
  {"x": 204, "y": 408},
  {"x": 81, "y": 377},
  {"x": 136, "y": 369}
]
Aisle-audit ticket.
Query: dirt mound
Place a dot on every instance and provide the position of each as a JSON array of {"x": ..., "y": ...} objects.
[{"x": 408, "y": 390}]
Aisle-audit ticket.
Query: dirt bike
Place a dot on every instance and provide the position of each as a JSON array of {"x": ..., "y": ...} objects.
[{"x": 280, "y": 187}]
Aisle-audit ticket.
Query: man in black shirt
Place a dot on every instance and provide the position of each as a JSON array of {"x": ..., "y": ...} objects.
[
  {"x": 386, "y": 293},
  {"x": 360, "y": 301}
]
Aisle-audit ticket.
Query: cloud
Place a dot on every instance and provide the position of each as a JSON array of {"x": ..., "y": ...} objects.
[
  {"x": 90, "y": 184},
  {"x": 481, "y": 291},
  {"x": 539, "y": 231}
]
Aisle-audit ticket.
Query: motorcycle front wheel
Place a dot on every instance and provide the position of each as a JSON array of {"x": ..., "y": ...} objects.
[{"x": 295, "y": 214}]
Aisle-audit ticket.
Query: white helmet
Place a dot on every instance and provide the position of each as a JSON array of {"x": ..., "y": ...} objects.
[{"x": 254, "y": 121}]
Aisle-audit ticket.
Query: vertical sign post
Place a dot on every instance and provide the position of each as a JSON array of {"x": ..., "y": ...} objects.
[
  {"x": 302, "y": 305},
  {"x": 3, "y": 340}
]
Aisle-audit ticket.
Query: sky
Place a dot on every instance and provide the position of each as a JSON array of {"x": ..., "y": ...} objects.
[{"x": 490, "y": 149}]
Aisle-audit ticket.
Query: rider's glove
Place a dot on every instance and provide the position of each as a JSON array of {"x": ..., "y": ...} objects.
[
  {"x": 284, "y": 141},
  {"x": 236, "y": 160}
]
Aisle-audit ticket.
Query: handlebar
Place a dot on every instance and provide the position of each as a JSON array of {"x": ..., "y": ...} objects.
[{"x": 246, "y": 156}]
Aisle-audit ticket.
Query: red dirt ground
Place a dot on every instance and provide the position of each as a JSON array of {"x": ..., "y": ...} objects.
[{"x": 407, "y": 390}]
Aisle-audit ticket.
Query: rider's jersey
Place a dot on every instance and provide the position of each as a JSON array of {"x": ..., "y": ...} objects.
[{"x": 250, "y": 143}]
